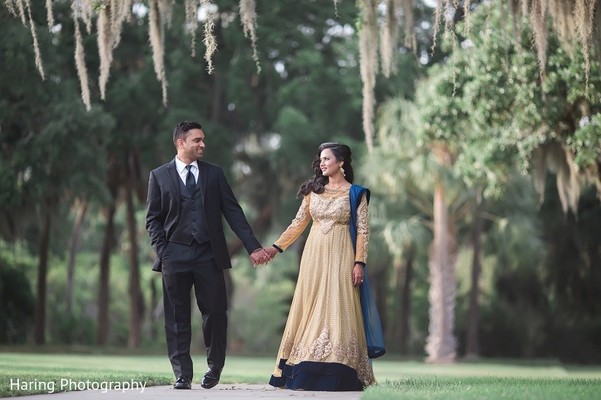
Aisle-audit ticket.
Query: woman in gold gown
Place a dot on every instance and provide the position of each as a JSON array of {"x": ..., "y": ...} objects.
[{"x": 324, "y": 344}]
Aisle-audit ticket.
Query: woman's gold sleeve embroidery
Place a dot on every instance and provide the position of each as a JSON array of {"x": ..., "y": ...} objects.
[
  {"x": 297, "y": 226},
  {"x": 362, "y": 231}
]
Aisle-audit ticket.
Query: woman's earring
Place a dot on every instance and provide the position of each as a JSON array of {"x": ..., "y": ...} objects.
[{"x": 342, "y": 170}]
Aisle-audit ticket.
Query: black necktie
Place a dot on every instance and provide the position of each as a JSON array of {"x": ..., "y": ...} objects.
[{"x": 190, "y": 182}]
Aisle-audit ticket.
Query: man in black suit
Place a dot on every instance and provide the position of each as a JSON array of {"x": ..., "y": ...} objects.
[{"x": 186, "y": 201}]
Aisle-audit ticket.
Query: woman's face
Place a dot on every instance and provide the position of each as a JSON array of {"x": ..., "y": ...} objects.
[{"x": 328, "y": 164}]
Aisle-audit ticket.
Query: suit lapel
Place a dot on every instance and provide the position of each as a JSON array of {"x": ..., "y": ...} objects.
[{"x": 173, "y": 178}]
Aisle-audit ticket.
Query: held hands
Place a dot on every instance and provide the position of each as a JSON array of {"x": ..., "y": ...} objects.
[
  {"x": 272, "y": 251},
  {"x": 262, "y": 256},
  {"x": 259, "y": 256}
]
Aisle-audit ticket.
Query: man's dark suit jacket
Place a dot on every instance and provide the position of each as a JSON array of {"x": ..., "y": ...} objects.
[{"x": 163, "y": 209}]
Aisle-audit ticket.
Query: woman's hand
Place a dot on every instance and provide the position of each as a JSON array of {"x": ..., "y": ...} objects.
[
  {"x": 358, "y": 274},
  {"x": 272, "y": 251}
]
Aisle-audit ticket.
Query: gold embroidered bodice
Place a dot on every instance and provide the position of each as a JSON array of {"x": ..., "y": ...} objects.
[{"x": 332, "y": 207}]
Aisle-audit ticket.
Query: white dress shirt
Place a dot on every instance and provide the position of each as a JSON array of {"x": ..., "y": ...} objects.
[{"x": 183, "y": 172}]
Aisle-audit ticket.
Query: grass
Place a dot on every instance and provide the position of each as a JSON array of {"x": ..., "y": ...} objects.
[
  {"x": 454, "y": 388},
  {"x": 497, "y": 379},
  {"x": 398, "y": 379},
  {"x": 36, "y": 373},
  {"x": 47, "y": 373}
]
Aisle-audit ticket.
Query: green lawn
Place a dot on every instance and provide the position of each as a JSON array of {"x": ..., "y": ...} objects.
[
  {"x": 398, "y": 379},
  {"x": 490, "y": 379}
]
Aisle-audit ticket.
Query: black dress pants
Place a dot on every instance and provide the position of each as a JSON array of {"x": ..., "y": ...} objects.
[{"x": 209, "y": 288}]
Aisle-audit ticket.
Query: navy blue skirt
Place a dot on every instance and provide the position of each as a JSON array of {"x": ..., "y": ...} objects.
[{"x": 317, "y": 376}]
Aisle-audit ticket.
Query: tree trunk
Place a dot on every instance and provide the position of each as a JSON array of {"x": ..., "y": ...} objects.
[
  {"x": 406, "y": 303},
  {"x": 441, "y": 343},
  {"x": 393, "y": 330},
  {"x": 73, "y": 248},
  {"x": 102, "y": 328},
  {"x": 40, "y": 305},
  {"x": 134, "y": 274},
  {"x": 474, "y": 308}
]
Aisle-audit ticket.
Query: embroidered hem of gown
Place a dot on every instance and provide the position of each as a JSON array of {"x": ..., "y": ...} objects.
[{"x": 317, "y": 376}]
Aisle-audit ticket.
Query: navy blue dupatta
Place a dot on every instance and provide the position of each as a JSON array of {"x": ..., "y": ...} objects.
[{"x": 371, "y": 318}]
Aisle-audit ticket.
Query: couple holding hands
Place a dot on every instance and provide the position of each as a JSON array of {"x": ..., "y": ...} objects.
[{"x": 325, "y": 342}]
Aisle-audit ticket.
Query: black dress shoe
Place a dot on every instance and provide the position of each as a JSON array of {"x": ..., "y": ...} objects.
[
  {"x": 183, "y": 383},
  {"x": 211, "y": 378}
]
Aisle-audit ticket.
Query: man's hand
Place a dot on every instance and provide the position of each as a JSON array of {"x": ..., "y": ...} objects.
[{"x": 259, "y": 256}]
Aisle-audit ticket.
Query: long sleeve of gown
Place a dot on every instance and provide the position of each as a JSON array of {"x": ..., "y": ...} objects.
[
  {"x": 297, "y": 226},
  {"x": 362, "y": 231}
]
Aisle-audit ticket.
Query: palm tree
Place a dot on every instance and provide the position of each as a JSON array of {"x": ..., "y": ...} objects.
[{"x": 405, "y": 166}]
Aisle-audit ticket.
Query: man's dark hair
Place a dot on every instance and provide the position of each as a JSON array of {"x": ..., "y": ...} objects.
[{"x": 181, "y": 130}]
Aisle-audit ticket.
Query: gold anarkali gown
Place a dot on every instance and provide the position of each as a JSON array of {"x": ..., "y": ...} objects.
[{"x": 323, "y": 346}]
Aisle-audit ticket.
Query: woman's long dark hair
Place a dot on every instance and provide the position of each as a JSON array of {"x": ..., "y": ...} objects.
[{"x": 316, "y": 184}]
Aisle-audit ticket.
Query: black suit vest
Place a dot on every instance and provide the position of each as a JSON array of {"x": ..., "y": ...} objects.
[{"x": 191, "y": 224}]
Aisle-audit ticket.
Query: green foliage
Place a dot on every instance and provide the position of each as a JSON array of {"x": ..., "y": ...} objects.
[
  {"x": 489, "y": 108},
  {"x": 571, "y": 277},
  {"x": 586, "y": 142},
  {"x": 486, "y": 103},
  {"x": 52, "y": 149},
  {"x": 16, "y": 302},
  {"x": 299, "y": 135},
  {"x": 261, "y": 302},
  {"x": 79, "y": 326},
  {"x": 490, "y": 100}
]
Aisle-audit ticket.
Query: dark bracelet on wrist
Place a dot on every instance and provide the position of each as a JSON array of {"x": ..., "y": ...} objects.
[
  {"x": 360, "y": 263},
  {"x": 278, "y": 248}
]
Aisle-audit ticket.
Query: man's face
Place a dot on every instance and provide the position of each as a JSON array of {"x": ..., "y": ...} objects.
[{"x": 192, "y": 148}]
